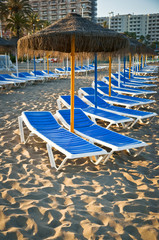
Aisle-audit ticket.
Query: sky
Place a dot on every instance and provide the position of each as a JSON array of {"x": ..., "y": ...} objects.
[{"x": 104, "y": 7}]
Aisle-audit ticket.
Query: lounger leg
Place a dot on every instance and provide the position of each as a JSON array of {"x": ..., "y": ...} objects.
[
  {"x": 52, "y": 159},
  {"x": 139, "y": 151},
  {"x": 20, "y": 122},
  {"x": 108, "y": 156},
  {"x": 59, "y": 104},
  {"x": 93, "y": 119},
  {"x": 97, "y": 160},
  {"x": 133, "y": 123},
  {"x": 51, "y": 156},
  {"x": 109, "y": 125},
  {"x": 80, "y": 93}
]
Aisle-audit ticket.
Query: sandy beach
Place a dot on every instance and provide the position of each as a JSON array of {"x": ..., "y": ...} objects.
[{"x": 115, "y": 201}]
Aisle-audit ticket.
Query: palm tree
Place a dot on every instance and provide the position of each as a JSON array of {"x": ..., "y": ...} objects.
[
  {"x": 22, "y": 6},
  {"x": 142, "y": 39},
  {"x": 17, "y": 24},
  {"x": 130, "y": 34},
  {"x": 35, "y": 23},
  {"x": 105, "y": 24},
  {"x": 19, "y": 10},
  {"x": 3, "y": 13}
]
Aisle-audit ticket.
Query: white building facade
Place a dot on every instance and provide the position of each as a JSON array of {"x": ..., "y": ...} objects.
[
  {"x": 140, "y": 24},
  {"x": 52, "y": 10}
]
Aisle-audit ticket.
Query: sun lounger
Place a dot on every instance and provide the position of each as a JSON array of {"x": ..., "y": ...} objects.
[
  {"x": 77, "y": 70},
  {"x": 86, "y": 68},
  {"x": 112, "y": 100},
  {"x": 132, "y": 91},
  {"x": 138, "y": 78},
  {"x": 32, "y": 78},
  {"x": 128, "y": 83},
  {"x": 115, "y": 84},
  {"x": 84, "y": 127},
  {"x": 105, "y": 91},
  {"x": 6, "y": 85},
  {"x": 62, "y": 72},
  {"x": 94, "y": 113},
  {"x": 137, "y": 115},
  {"x": 51, "y": 74},
  {"x": 17, "y": 81},
  {"x": 41, "y": 74},
  {"x": 44, "y": 125}
]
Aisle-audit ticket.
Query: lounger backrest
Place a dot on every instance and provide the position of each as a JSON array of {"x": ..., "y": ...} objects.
[
  {"x": 42, "y": 120},
  {"x": 116, "y": 75},
  {"x": 67, "y": 68},
  {"x": 80, "y": 119},
  {"x": 88, "y": 90},
  {"x": 47, "y": 72},
  {"x": 91, "y": 91},
  {"x": 77, "y": 101},
  {"x": 27, "y": 74},
  {"x": 21, "y": 75},
  {"x": 105, "y": 90},
  {"x": 6, "y": 76},
  {"x": 100, "y": 101},
  {"x": 101, "y": 84},
  {"x": 38, "y": 73},
  {"x": 60, "y": 69},
  {"x": 114, "y": 82},
  {"x": 2, "y": 78}
]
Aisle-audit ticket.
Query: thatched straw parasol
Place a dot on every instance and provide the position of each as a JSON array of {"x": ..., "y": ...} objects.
[
  {"x": 73, "y": 34},
  {"x": 89, "y": 37}
]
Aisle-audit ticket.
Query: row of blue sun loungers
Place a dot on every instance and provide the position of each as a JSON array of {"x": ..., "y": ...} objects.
[
  {"x": 24, "y": 78},
  {"x": 8, "y": 81},
  {"x": 50, "y": 128},
  {"x": 79, "y": 69}
]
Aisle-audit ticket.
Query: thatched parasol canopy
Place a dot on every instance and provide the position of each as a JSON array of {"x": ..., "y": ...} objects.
[{"x": 89, "y": 37}]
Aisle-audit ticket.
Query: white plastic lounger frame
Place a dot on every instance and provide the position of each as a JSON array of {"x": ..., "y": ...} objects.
[
  {"x": 113, "y": 148},
  {"x": 125, "y": 122},
  {"x": 137, "y": 118},
  {"x": 95, "y": 156}
]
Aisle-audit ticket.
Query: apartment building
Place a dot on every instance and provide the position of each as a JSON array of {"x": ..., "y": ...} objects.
[
  {"x": 52, "y": 10},
  {"x": 140, "y": 24}
]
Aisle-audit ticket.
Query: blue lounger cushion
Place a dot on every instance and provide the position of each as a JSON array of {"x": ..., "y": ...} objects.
[{"x": 44, "y": 125}]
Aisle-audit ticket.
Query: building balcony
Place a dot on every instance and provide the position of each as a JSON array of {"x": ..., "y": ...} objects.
[
  {"x": 63, "y": 3},
  {"x": 35, "y": 4},
  {"x": 35, "y": 9},
  {"x": 86, "y": 1},
  {"x": 53, "y": 13},
  {"x": 63, "y": 7},
  {"x": 53, "y": 3},
  {"x": 43, "y": 4},
  {"x": 87, "y": 11},
  {"x": 44, "y": 13}
]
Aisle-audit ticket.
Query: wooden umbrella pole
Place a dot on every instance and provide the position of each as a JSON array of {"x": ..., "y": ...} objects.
[
  {"x": 110, "y": 59},
  {"x": 129, "y": 65},
  {"x": 48, "y": 63},
  {"x": 144, "y": 61},
  {"x": 72, "y": 80}
]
